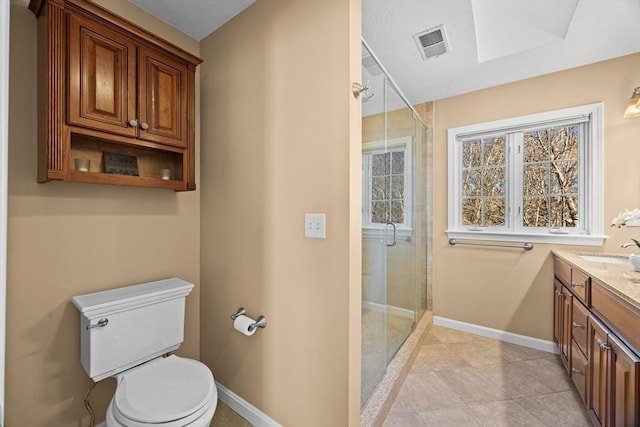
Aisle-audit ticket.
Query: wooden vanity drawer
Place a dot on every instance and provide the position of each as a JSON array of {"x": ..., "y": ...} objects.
[
  {"x": 579, "y": 371},
  {"x": 580, "y": 285},
  {"x": 579, "y": 325},
  {"x": 622, "y": 315},
  {"x": 562, "y": 271}
]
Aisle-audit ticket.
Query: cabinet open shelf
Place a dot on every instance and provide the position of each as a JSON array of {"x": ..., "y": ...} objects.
[{"x": 150, "y": 162}]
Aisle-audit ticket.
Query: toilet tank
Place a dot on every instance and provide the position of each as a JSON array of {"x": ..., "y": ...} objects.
[{"x": 121, "y": 328}]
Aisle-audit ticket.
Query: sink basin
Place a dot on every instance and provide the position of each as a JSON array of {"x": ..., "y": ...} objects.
[{"x": 605, "y": 259}]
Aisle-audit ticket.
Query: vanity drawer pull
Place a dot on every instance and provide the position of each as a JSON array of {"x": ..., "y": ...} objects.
[
  {"x": 577, "y": 371},
  {"x": 577, "y": 325}
]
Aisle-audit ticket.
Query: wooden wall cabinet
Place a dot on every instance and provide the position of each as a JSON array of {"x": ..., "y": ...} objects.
[
  {"x": 600, "y": 356},
  {"x": 106, "y": 85}
]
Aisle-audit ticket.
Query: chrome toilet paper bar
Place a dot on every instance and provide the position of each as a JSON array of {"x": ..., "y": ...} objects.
[{"x": 260, "y": 322}]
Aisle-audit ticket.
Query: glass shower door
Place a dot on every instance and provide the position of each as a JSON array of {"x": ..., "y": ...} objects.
[
  {"x": 397, "y": 211},
  {"x": 389, "y": 245}
]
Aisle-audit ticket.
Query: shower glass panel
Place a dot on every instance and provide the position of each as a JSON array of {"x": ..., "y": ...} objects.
[{"x": 394, "y": 225}]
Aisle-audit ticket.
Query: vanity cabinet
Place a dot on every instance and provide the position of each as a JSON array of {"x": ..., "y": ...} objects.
[
  {"x": 602, "y": 351},
  {"x": 108, "y": 86}
]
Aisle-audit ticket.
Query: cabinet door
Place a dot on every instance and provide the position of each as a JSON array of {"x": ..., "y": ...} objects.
[
  {"x": 162, "y": 98},
  {"x": 626, "y": 370},
  {"x": 102, "y": 80},
  {"x": 599, "y": 376}
]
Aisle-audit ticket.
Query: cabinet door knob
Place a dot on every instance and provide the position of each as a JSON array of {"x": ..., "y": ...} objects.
[
  {"x": 144, "y": 126},
  {"x": 577, "y": 371},
  {"x": 577, "y": 325},
  {"x": 133, "y": 123},
  {"x": 574, "y": 285},
  {"x": 603, "y": 345}
]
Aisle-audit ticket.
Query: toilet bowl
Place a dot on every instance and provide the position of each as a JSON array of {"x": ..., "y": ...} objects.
[
  {"x": 167, "y": 392},
  {"x": 125, "y": 333}
]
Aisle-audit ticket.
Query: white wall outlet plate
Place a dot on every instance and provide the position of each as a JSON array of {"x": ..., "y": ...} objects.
[{"x": 314, "y": 225}]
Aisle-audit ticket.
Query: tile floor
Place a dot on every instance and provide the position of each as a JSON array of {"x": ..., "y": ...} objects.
[
  {"x": 459, "y": 379},
  {"x": 226, "y": 417}
]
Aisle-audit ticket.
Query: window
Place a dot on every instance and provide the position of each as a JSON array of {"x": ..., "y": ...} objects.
[
  {"x": 386, "y": 179},
  {"x": 536, "y": 178}
]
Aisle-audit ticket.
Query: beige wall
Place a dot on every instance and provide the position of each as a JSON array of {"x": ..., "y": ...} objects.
[
  {"x": 66, "y": 239},
  {"x": 511, "y": 289},
  {"x": 282, "y": 134}
]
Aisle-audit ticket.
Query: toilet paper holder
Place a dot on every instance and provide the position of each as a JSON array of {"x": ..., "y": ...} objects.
[{"x": 261, "y": 321}]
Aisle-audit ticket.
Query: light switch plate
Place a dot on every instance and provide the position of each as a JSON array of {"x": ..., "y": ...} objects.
[{"x": 314, "y": 225}]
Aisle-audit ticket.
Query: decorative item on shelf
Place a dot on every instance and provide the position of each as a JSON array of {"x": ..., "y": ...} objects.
[
  {"x": 120, "y": 164},
  {"x": 629, "y": 219},
  {"x": 82, "y": 165},
  {"x": 165, "y": 174}
]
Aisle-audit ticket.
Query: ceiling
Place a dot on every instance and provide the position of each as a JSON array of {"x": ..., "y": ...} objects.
[{"x": 491, "y": 42}]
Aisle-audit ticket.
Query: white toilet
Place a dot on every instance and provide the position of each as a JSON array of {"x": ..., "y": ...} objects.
[{"x": 126, "y": 333}]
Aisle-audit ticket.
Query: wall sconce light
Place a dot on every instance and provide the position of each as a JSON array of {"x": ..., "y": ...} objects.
[{"x": 633, "y": 108}]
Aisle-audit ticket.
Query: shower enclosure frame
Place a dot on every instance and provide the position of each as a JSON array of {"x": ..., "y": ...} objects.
[{"x": 379, "y": 243}]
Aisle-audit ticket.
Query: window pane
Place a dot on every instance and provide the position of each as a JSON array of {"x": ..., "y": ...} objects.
[
  {"x": 380, "y": 188},
  {"x": 536, "y": 146},
  {"x": 564, "y": 142},
  {"x": 397, "y": 211},
  {"x": 564, "y": 212},
  {"x": 564, "y": 177},
  {"x": 397, "y": 162},
  {"x": 550, "y": 171},
  {"x": 536, "y": 212},
  {"x": 484, "y": 181},
  {"x": 493, "y": 182},
  {"x": 494, "y": 151},
  {"x": 494, "y": 212},
  {"x": 379, "y": 212},
  {"x": 471, "y": 154},
  {"x": 471, "y": 183},
  {"x": 380, "y": 164},
  {"x": 397, "y": 187},
  {"x": 536, "y": 179},
  {"x": 471, "y": 211}
]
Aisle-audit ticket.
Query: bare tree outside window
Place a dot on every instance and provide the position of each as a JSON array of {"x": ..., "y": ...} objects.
[
  {"x": 550, "y": 177},
  {"x": 484, "y": 181},
  {"x": 387, "y": 187}
]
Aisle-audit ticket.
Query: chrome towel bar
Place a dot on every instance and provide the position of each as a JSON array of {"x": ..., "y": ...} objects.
[{"x": 527, "y": 246}]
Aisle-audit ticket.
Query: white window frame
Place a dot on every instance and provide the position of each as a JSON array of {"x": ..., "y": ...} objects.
[
  {"x": 396, "y": 144},
  {"x": 591, "y": 178}
]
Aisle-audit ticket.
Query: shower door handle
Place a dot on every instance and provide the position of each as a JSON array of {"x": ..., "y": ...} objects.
[{"x": 395, "y": 234}]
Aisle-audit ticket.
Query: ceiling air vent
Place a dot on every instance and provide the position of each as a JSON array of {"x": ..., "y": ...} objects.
[{"x": 432, "y": 42}]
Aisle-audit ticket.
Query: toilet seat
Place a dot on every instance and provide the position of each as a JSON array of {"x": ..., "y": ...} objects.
[{"x": 167, "y": 392}]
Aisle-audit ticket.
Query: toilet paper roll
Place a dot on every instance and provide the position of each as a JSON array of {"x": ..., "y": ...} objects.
[{"x": 242, "y": 323}]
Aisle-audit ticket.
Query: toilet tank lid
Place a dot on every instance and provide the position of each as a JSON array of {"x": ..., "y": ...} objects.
[{"x": 98, "y": 303}]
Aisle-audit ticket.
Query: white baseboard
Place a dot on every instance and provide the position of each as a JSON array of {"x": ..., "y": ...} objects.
[
  {"x": 497, "y": 334},
  {"x": 243, "y": 408},
  {"x": 391, "y": 309}
]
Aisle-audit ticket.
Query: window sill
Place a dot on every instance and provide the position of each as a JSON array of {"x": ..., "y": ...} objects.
[{"x": 559, "y": 239}]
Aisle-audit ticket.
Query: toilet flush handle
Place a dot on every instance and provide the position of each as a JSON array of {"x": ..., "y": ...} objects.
[{"x": 101, "y": 323}]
